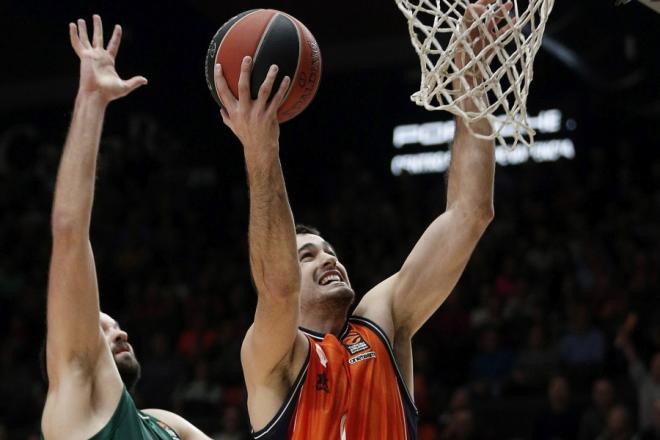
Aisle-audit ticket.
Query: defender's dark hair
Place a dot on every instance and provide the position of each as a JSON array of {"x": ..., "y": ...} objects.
[{"x": 305, "y": 229}]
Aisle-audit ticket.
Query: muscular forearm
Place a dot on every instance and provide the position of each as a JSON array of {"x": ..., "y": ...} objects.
[
  {"x": 74, "y": 189},
  {"x": 472, "y": 172},
  {"x": 272, "y": 239}
]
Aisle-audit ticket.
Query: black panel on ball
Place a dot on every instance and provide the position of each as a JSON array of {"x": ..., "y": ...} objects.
[
  {"x": 280, "y": 45},
  {"x": 212, "y": 52}
]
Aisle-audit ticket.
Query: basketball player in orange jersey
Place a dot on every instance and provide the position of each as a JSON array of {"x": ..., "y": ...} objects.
[
  {"x": 311, "y": 371},
  {"x": 89, "y": 362}
]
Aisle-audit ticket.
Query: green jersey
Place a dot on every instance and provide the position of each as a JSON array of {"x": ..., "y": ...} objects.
[{"x": 129, "y": 423}]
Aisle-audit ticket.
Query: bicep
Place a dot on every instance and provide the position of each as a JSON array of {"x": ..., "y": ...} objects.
[
  {"x": 270, "y": 341},
  {"x": 73, "y": 305}
]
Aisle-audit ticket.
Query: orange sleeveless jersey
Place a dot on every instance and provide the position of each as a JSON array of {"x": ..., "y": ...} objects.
[{"x": 349, "y": 388}]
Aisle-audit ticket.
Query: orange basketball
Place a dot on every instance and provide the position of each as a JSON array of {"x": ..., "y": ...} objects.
[{"x": 269, "y": 37}]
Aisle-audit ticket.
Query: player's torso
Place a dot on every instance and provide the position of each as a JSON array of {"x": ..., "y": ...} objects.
[{"x": 351, "y": 390}]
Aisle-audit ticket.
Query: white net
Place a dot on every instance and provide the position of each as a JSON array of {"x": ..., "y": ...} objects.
[{"x": 476, "y": 59}]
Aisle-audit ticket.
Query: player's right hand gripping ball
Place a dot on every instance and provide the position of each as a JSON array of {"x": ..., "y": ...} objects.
[{"x": 269, "y": 37}]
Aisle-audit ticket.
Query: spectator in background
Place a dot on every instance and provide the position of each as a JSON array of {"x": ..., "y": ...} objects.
[
  {"x": 559, "y": 421},
  {"x": 489, "y": 310},
  {"x": 582, "y": 348},
  {"x": 653, "y": 432},
  {"x": 595, "y": 417},
  {"x": 646, "y": 381},
  {"x": 491, "y": 365},
  {"x": 201, "y": 395},
  {"x": 461, "y": 426},
  {"x": 452, "y": 323},
  {"x": 536, "y": 363},
  {"x": 162, "y": 371},
  {"x": 20, "y": 395},
  {"x": 460, "y": 400},
  {"x": 197, "y": 338},
  {"x": 618, "y": 425},
  {"x": 231, "y": 425}
]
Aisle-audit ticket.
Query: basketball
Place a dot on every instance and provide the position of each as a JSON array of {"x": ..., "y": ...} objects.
[{"x": 269, "y": 37}]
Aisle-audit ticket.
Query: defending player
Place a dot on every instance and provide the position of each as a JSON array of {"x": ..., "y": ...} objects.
[
  {"x": 90, "y": 364},
  {"x": 310, "y": 372}
]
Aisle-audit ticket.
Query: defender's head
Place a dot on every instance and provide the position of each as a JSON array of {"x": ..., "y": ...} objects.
[
  {"x": 122, "y": 352},
  {"x": 324, "y": 281}
]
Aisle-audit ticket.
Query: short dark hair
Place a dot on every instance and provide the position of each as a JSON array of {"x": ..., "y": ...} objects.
[{"x": 305, "y": 229}]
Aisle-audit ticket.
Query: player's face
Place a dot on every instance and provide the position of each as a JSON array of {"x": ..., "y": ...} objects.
[
  {"x": 122, "y": 351},
  {"x": 323, "y": 277}
]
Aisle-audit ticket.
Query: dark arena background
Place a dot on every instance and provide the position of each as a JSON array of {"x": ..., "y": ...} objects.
[{"x": 524, "y": 347}]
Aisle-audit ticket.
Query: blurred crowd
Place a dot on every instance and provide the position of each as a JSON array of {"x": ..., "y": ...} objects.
[{"x": 552, "y": 332}]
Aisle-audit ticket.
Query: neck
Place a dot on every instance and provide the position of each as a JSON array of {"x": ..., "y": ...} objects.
[{"x": 323, "y": 320}]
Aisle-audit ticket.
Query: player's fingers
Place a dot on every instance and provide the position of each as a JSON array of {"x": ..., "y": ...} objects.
[
  {"x": 473, "y": 13},
  {"x": 505, "y": 29},
  {"x": 82, "y": 34},
  {"x": 134, "y": 83},
  {"x": 75, "y": 40},
  {"x": 115, "y": 41},
  {"x": 485, "y": 2},
  {"x": 503, "y": 12},
  {"x": 222, "y": 89},
  {"x": 499, "y": 27},
  {"x": 481, "y": 6},
  {"x": 225, "y": 117},
  {"x": 97, "y": 38},
  {"x": 244, "y": 81},
  {"x": 491, "y": 27},
  {"x": 267, "y": 85},
  {"x": 277, "y": 100}
]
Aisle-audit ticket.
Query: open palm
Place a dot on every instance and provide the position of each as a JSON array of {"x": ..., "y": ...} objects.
[{"x": 97, "y": 64}]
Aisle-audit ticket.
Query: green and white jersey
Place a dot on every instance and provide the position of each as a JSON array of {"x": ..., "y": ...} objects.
[{"x": 129, "y": 423}]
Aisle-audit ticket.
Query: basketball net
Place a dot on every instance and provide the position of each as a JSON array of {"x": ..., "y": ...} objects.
[{"x": 502, "y": 61}]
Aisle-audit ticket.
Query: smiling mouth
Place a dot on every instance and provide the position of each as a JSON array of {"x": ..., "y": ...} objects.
[{"x": 330, "y": 278}]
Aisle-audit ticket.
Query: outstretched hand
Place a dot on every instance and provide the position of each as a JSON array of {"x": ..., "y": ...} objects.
[
  {"x": 253, "y": 121},
  {"x": 97, "y": 64},
  {"x": 480, "y": 37}
]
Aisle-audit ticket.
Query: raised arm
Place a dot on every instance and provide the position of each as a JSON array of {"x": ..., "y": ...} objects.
[
  {"x": 403, "y": 303},
  {"x": 74, "y": 338},
  {"x": 269, "y": 343}
]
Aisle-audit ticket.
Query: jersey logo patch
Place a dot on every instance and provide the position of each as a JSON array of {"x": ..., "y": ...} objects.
[
  {"x": 355, "y": 343},
  {"x": 361, "y": 357}
]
